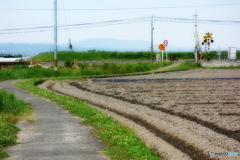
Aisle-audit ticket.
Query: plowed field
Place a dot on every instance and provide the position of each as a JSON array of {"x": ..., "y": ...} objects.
[{"x": 180, "y": 118}]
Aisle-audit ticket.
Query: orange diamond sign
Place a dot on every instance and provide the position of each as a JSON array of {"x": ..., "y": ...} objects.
[{"x": 161, "y": 47}]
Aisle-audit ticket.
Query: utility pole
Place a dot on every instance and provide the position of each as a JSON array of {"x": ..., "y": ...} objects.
[
  {"x": 152, "y": 39},
  {"x": 55, "y": 36},
  {"x": 197, "y": 48}
]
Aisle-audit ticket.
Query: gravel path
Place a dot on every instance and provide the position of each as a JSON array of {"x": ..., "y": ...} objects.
[{"x": 56, "y": 134}]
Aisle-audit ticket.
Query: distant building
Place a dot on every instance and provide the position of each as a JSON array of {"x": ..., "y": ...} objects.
[{"x": 7, "y": 62}]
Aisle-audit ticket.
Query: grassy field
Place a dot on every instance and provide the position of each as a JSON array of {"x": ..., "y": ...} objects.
[
  {"x": 114, "y": 55},
  {"x": 122, "y": 143},
  {"x": 11, "y": 110},
  {"x": 92, "y": 55},
  {"x": 23, "y": 72}
]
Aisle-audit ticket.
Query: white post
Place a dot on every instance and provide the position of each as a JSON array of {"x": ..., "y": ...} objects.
[
  {"x": 55, "y": 35},
  {"x": 162, "y": 56},
  {"x": 166, "y": 53},
  {"x": 219, "y": 53}
]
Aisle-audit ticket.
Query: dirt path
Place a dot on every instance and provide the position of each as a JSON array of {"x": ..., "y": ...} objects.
[
  {"x": 175, "y": 64},
  {"x": 186, "y": 119},
  {"x": 56, "y": 134}
]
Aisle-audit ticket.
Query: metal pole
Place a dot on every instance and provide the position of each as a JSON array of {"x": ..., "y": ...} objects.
[
  {"x": 152, "y": 39},
  {"x": 55, "y": 36}
]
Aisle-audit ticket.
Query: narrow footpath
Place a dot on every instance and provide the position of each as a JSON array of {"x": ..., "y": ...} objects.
[{"x": 56, "y": 135}]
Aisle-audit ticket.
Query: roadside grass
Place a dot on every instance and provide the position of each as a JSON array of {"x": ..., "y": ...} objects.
[
  {"x": 24, "y": 72},
  {"x": 12, "y": 110},
  {"x": 122, "y": 143},
  {"x": 126, "y": 68}
]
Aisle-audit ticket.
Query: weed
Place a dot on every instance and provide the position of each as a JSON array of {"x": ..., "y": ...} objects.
[
  {"x": 11, "y": 110},
  {"x": 31, "y": 119},
  {"x": 84, "y": 70}
]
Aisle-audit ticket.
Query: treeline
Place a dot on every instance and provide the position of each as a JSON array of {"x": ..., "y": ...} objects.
[{"x": 11, "y": 56}]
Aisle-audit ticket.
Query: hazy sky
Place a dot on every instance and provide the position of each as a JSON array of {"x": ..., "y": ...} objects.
[{"x": 33, "y": 13}]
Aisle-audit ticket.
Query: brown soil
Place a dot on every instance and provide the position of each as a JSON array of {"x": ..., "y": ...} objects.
[{"x": 180, "y": 119}]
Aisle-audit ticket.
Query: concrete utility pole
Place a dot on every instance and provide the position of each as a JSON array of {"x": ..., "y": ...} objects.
[
  {"x": 55, "y": 36},
  {"x": 152, "y": 39},
  {"x": 197, "y": 48}
]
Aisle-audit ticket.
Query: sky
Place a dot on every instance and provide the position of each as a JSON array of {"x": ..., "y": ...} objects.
[{"x": 16, "y": 14}]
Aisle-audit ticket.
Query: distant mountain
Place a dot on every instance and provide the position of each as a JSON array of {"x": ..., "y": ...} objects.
[
  {"x": 31, "y": 49},
  {"x": 26, "y": 49}
]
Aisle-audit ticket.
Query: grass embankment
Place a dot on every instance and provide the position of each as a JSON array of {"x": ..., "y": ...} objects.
[
  {"x": 106, "y": 55},
  {"x": 93, "y": 55},
  {"x": 114, "y": 55},
  {"x": 11, "y": 110},
  {"x": 23, "y": 72},
  {"x": 122, "y": 143}
]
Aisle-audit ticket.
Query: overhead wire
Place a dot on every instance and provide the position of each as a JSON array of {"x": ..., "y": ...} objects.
[
  {"x": 112, "y": 22},
  {"x": 117, "y": 9}
]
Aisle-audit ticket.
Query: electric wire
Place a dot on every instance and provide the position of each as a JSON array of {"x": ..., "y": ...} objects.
[
  {"x": 113, "y": 22},
  {"x": 117, "y": 9}
]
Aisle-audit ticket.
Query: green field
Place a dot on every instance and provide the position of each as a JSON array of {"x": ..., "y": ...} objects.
[
  {"x": 114, "y": 55},
  {"x": 105, "y": 55}
]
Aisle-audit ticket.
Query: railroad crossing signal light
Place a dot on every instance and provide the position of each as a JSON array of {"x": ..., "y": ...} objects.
[{"x": 207, "y": 40}]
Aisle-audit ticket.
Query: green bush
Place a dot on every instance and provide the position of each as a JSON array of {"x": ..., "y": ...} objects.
[{"x": 68, "y": 63}]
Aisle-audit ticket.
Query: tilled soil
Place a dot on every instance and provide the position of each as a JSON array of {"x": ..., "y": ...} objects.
[{"x": 181, "y": 119}]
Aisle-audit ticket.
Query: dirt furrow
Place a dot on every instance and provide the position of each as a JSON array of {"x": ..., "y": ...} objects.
[
  {"x": 183, "y": 134},
  {"x": 216, "y": 128}
]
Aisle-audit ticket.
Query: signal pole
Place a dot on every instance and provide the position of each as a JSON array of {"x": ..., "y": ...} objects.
[
  {"x": 152, "y": 39},
  {"x": 55, "y": 36}
]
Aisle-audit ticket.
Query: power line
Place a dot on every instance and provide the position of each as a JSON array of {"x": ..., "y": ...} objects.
[
  {"x": 117, "y": 9},
  {"x": 81, "y": 24},
  {"x": 113, "y": 22}
]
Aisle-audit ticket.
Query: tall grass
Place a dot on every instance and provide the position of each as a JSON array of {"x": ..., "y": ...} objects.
[
  {"x": 11, "y": 109},
  {"x": 21, "y": 72},
  {"x": 112, "y": 68}
]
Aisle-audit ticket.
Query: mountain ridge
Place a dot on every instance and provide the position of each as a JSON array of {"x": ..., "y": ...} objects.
[{"x": 106, "y": 44}]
